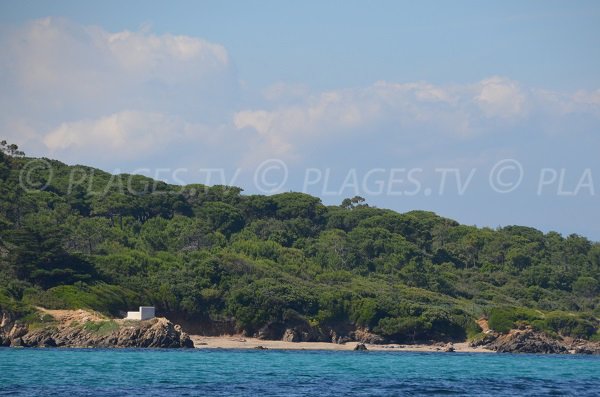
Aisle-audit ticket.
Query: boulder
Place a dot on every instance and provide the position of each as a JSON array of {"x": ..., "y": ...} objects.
[
  {"x": 361, "y": 347},
  {"x": 290, "y": 335}
]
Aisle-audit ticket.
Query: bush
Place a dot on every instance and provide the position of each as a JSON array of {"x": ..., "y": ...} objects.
[
  {"x": 503, "y": 319},
  {"x": 472, "y": 329},
  {"x": 36, "y": 320},
  {"x": 9, "y": 304},
  {"x": 108, "y": 299},
  {"x": 404, "y": 328},
  {"x": 553, "y": 323},
  {"x": 567, "y": 324}
]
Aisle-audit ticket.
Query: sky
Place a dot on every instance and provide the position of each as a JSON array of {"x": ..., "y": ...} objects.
[{"x": 484, "y": 112}]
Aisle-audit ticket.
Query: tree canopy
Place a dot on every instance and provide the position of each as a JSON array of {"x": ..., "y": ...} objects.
[{"x": 212, "y": 253}]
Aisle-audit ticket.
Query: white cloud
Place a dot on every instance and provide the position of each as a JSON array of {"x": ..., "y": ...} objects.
[
  {"x": 168, "y": 58},
  {"x": 68, "y": 86},
  {"x": 327, "y": 115},
  {"x": 404, "y": 113},
  {"x": 501, "y": 97},
  {"x": 588, "y": 100},
  {"x": 280, "y": 129},
  {"x": 54, "y": 70},
  {"x": 128, "y": 129},
  {"x": 130, "y": 135}
]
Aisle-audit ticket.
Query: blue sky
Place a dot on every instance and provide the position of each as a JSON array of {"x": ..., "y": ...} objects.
[{"x": 337, "y": 88}]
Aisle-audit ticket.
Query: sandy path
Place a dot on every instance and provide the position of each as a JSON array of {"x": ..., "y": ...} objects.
[{"x": 239, "y": 342}]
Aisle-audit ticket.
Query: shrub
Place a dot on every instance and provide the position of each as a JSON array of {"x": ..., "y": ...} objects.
[
  {"x": 503, "y": 319},
  {"x": 108, "y": 299},
  {"x": 404, "y": 328},
  {"x": 36, "y": 320},
  {"x": 472, "y": 329},
  {"x": 568, "y": 325}
]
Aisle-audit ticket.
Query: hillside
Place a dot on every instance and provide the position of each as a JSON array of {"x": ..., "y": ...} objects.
[{"x": 216, "y": 260}]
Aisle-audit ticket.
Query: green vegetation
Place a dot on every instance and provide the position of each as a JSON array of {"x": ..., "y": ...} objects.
[
  {"x": 101, "y": 327},
  {"x": 81, "y": 238},
  {"x": 35, "y": 320},
  {"x": 579, "y": 325}
]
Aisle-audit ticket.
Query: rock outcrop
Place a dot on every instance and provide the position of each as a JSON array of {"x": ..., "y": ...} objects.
[
  {"x": 360, "y": 347},
  {"x": 528, "y": 340},
  {"x": 579, "y": 346},
  {"x": 157, "y": 333},
  {"x": 364, "y": 336},
  {"x": 291, "y": 332}
]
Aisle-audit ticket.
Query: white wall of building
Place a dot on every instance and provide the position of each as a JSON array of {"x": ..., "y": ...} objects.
[{"x": 145, "y": 313}]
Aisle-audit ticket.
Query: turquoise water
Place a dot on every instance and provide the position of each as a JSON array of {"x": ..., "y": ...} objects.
[{"x": 99, "y": 372}]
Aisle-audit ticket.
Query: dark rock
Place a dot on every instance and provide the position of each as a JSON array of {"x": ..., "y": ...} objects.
[
  {"x": 271, "y": 331},
  {"x": 484, "y": 340},
  {"x": 360, "y": 346},
  {"x": 290, "y": 335},
  {"x": 17, "y": 342},
  {"x": 17, "y": 330},
  {"x": 585, "y": 347},
  {"x": 185, "y": 341},
  {"x": 449, "y": 348},
  {"x": 528, "y": 341},
  {"x": 261, "y": 348}
]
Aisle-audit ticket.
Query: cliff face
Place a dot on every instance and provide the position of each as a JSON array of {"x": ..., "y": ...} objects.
[{"x": 84, "y": 329}]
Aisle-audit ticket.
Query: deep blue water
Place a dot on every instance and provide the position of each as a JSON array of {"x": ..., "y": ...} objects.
[{"x": 100, "y": 372}]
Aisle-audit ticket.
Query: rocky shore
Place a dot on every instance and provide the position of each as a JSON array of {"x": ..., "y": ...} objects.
[
  {"x": 523, "y": 340},
  {"x": 79, "y": 328},
  {"x": 527, "y": 340},
  {"x": 83, "y": 328}
]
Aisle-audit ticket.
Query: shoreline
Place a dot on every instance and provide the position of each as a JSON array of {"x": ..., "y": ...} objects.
[{"x": 245, "y": 343}]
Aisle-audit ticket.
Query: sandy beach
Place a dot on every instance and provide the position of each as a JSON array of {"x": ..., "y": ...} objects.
[{"x": 241, "y": 342}]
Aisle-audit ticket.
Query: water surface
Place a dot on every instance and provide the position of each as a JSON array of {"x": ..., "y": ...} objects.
[{"x": 195, "y": 372}]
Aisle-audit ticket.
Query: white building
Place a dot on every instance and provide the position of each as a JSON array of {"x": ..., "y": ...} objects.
[{"x": 145, "y": 313}]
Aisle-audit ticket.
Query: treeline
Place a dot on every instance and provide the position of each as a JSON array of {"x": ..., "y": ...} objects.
[{"x": 213, "y": 254}]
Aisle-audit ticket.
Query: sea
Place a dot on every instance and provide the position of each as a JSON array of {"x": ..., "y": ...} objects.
[{"x": 221, "y": 372}]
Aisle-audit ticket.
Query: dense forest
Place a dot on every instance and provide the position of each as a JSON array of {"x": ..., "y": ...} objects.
[{"x": 212, "y": 255}]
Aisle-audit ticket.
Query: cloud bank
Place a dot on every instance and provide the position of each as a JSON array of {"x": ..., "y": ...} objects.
[{"x": 83, "y": 94}]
